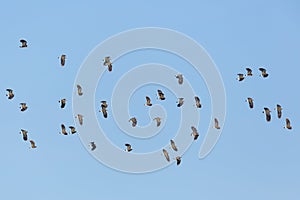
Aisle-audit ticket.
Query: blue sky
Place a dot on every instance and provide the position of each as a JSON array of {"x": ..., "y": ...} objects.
[{"x": 252, "y": 160}]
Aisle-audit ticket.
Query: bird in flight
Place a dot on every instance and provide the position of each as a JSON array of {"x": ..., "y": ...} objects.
[
  {"x": 249, "y": 72},
  {"x": 10, "y": 93},
  {"x": 279, "y": 111},
  {"x": 263, "y": 72},
  {"x": 73, "y": 130},
  {"x": 217, "y": 123},
  {"x": 62, "y": 103},
  {"x": 32, "y": 143},
  {"x": 173, "y": 145},
  {"x": 63, "y": 130},
  {"x": 268, "y": 114},
  {"x": 166, "y": 154},
  {"x": 107, "y": 62},
  {"x": 24, "y": 133},
  {"x": 158, "y": 121},
  {"x": 288, "y": 124},
  {"x": 104, "y": 105},
  {"x": 79, "y": 90},
  {"x": 250, "y": 102},
  {"x": 80, "y": 118},
  {"x": 128, "y": 147},
  {"x": 195, "y": 133},
  {"x": 180, "y": 78},
  {"x": 178, "y": 160},
  {"x": 161, "y": 95},
  {"x": 23, "y": 43},
  {"x": 180, "y": 102},
  {"x": 134, "y": 121},
  {"x": 93, "y": 146},
  {"x": 240, "y": 77},
  {"x": 148, "y": 101},
  {"x": 198, "y": 103},
  {"x": 63, "y": 58},
  {"x": 23, "y": 107}
]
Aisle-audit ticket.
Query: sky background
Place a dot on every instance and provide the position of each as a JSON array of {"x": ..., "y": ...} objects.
[{"x": 252, "y": 160}]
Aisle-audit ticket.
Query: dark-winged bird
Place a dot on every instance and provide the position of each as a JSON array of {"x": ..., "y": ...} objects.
[
  {"x": 128, "y": 147},
  {"x": 288, "y": 124},
  {"x": 80, "y": 118},
  {"x": 249, "y": 71},
  {"x": 158, "y": 121},
  {"x": 268, "y": 114},
  {"x": 148, "y": 101},
  {"x": 178, "y": 160},
  {"x": 263, "y": 72},
  {"x": 217, "y": 124},
  {"x": 73, "y": 130},
  {"x": 23, "y": 43},
  {"x": 79, "y": 90},
  {"x": 161, "y": 95},
  {"x": 32, "y": 143},
  {"x": 24, "y": 133},
  {"x": 279, "y": 111},
  {"x": 180, "y": 78},
  {"x": 63, "y": 130},
  {"x": 104, "y": 105},
  {"x": 93, "y": 146},
  {"x": 166, "y": 154},
  {"x": 63, "y": 60},
  {"x": 62, "y": 103},
  {"x": 180, "y": 102},
  {"x": 173, "y": 145},
  {"x": 198, "y": 103},
  {"x": 250, "y": 102},
  {"x": 134, "y": 121},
  {"x": 195, "y": 133},
  {"x": 107, "y": 62},
  {"x": 10, "y": 93},
  {"x": 23, "y": 106},
  {"x": 240, "y": 77}
]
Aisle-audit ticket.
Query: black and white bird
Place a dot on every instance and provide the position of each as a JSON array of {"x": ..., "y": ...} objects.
[
  {"x": 104, "y": 105},
  {"x": 63, "y": 58},
  {"x": 107, "y": 62},
  {"x": 161, "y": 95},
  {"x": 10, "y": 94},
  {"x": 73, "y": 130},
  {"x": 268, "y": 114},
  {"x": 178, "y": 160},
  {"x": 180, "y": 79},
  {"x": 23, "y": 43},
  {"x": 250, "y": 102},
  {"x": 128, "y": 147},
  {"x": 240, "y": 77},
  {"x": 148, "y": 101},
  {"x": 93, "y": 146},
  {"x": 134, "y": 121}
]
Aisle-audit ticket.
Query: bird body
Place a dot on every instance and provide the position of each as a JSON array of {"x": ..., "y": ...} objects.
[
  {"x": 217, "y": 123},
  {"x": 62, "y": 60},
  {"x": 161, "y": 95},
  {"x": 79, "y": 90},
  {"x": 178, "y": 160},
  {"x": 104, "y": 105},
  {"x": 80, "y": 118},
  {"x": 198, "y": 103},
  {"x": 263, "y": 72},
  {"x": 240, "y": 77},
  {"x": 93, "y": 146},
  {"x": 249, "y": 71},
  {"x": 10, "y": 93},
  {"x": 268, "y": 114},
  {"x": 250, "y": 102},
  {"x": 180, "y": 79},
  {"x": 134, "y": 121},
  {"x": 24, "y": 133},
  {"x": 195, "y": 133},
  {"x": 158, "y": 121},
  {"x": 128, "y": 147},
  {"x": 107, "y": 62},
  {"x": 288, "y": 124},
  {"x": 23, "y": 107},
  {"x": 63, "y": 129},
  {"x": 166, "y": 154},
  {"x": 23, "y": 43},
  {"x": 173, "y": 145},
  {"x": 73, "y": 130},
  {"x": 32, "y": 143},
  {"x": 62, "y": 103},
  {"x": 180, "y": 102},
  {"x": 279, "y": 111},
  {"x": 148, "y": 101}
]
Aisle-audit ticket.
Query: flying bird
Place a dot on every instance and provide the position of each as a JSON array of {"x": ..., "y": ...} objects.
[
  {"x": 62, "y": 60},
  {"x": 217, "y": 124},
  {"x": 93, "y": 146},
  {"x": 158, "y": 121},
  {"x": 104, "y": 105},
  {"x": 288, "y": 124},
  {"x": 23, "y": 43},
  {"x": 73, "y": 130},
  {"x": 263, "y": 72},
  {"x": 195, "y": 133},
  {"x": 268, "y": 114},
  {"x": 63, "y": 130},
  {"x": 279, "y": 111},
  {"x": 249, "y": 72},
  {"x": 180, "y": 78},
  {"x": 240, "y": 77},
  {"x": 128, "y": 147},
  {"x": 23, "y": 106},
  {"x": 32, "y": 143},
  {"x": 79, "y": 90},
  {"x": 197, "y": 100},
  {"x": 24, "y": 133},
  {"x": 108, "y": 63},
  {"x": 161, "y": 95},
  {"x": 166, "y": 154},
  {"x": 10, "y": 93},
  {"x": 134, "y": 121},
  {"x": 148, "y": 101},
  {"x": 250, "y": 102},
  {"x": 178, "y": 160},
  {"x": 80, "y": 118},
  {"x": 180, "y": 102},
  {"x": 62, "y": 103},
  {"x": 173, "y": 145}
]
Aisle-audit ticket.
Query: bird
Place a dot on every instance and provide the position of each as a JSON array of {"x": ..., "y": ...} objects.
[
  {"x": 23, "y": 43},
  {"x": 79, "y": 90},
  {"x": 263, "y": 72},
  {"x": 173, "y": 145},
  {"x": 23, "y": 106},
  {"x": 63, "y": 130},
  {"x": 250, "y": 101},
  {"x": 62, "y": 103},
  {"x": 108, "y": 63},
  {"x": 24, "y": 133},
  {"x": 10, "y": 93},
  {"x": 161, "y": 95},
  {"x": 217, "y": 124},
  {"x": 33, "y": 146},
  {"x": 73, "y": 130},
  {"x": 63, "y": 58},
  {"x": 195, "y": 133},
  {"x": 80, "y": 118},
  {"x": 180, "y": 78},
  {"x": 241, "y": 77},
  {"x": 180, "y": 102},
  {"x": 279, "y": 111},
  {"x": 104, "y": 105},
  {"x": 249, "y": 71},
  {"x": 158, "y": 121},
  {"x": 128, "y": 147},
  {"x": 288, "y": 124},
  {"x": 148, "y": 101},
  {"x": 268, "y": 114},
  {"x": 93, "y": 146},
  {"x": 166, "y": 154},
  {"x": 134, "y": 121},
  {"x": 178, "y": 160},
  {"x": 197, "y": 100}
]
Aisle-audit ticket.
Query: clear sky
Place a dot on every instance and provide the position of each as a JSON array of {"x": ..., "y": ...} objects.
[{"x": 252, "y": 160}]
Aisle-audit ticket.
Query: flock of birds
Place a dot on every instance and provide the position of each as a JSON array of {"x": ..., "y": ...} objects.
[{"x": 266, "y": 110}]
